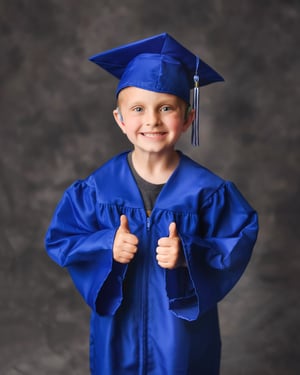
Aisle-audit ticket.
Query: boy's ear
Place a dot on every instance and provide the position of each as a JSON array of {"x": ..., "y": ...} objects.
[
  {"x": 119, "y": 119},
  {"x": 189, "y": 117}
]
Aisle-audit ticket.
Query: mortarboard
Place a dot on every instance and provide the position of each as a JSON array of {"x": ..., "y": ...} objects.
[{"x": 159, "y": 64}]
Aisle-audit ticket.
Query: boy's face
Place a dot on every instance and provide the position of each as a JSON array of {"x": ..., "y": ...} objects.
[{"x": 153, "y": 122}]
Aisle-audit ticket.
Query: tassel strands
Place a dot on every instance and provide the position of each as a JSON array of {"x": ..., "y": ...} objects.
[{"x": 196, "y": 105}]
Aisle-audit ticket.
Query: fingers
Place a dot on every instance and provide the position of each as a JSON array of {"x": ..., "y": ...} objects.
[
  {"x": 167, "y": 256},
  {"x": 124, "y": 232},
  {"x": 125, "y": 243},
  {"x": 169, "y": 253},
  {"x": 125, "y": 255},
  {"x": 173, "y": 230},
  {"x": 172, "y": 239},
  {"x": 169, "y": 249},
  {"x": 124, "y": 226}
]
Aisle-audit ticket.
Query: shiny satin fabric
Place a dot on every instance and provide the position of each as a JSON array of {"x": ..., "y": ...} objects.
[{"x": 145, "y": 319}]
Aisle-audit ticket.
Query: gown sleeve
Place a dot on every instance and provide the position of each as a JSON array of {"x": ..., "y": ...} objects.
[
  {"x": 76, "y": 241},
  {"x": 217, "y": 256}
]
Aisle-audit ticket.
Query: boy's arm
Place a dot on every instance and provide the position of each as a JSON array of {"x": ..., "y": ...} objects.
[
  {"x": 215, "y": 259},
  {"x": 74, "y": 240},
  {"x": 124, "y": 249}
]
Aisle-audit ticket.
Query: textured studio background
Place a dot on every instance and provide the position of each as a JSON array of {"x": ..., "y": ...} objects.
[{"x": 56, "y": 126}]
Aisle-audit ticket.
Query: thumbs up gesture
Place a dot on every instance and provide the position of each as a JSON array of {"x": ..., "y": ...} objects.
[
  {"x": 169, "y": 253},
  {"x": 125, "y": 243}
]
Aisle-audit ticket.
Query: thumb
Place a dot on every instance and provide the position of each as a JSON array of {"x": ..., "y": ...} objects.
[
  {"x": 124, "y": 226},
  {"x": 173, "y": 230}
]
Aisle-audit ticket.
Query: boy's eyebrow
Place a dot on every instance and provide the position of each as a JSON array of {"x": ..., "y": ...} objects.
[
  {"x": 157, "y": 105},
  {"x": 134, "y": 103},
  {"x": 162, "y": 101}
]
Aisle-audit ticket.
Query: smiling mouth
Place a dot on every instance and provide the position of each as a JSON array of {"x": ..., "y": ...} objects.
[{"x": 153, "y": 134}]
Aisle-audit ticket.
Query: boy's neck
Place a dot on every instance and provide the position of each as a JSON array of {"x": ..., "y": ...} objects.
[{"x": 153, "y": 167}]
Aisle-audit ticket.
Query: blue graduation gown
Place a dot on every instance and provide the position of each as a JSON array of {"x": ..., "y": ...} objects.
[{"x": 146, "y": 319}]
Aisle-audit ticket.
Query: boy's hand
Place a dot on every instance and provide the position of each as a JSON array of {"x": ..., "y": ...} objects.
[
  {"x": 169, "y": 251},
  {"x": 125, "y": 243}
]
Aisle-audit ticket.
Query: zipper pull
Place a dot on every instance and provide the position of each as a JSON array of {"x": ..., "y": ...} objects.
[{"x": 148, "y": 223}]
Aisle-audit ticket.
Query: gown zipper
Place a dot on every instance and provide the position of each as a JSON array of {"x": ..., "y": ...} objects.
[
  {"x": 144, "y": 299},
  {"x": 148, "y": 223}
]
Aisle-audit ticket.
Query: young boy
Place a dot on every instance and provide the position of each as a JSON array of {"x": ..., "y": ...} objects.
[{"x": 152, "y": 240}]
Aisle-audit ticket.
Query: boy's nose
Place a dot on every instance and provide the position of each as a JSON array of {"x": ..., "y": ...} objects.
[{"x": 152, "y": 118}]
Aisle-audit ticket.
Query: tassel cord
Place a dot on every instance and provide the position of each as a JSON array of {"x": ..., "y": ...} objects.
[{"x": 196, "y": 100}]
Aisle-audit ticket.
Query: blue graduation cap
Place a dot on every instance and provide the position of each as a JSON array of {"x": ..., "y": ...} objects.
[{"x": 159, "y": 64}]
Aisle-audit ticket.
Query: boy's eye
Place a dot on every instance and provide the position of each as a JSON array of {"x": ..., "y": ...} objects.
[
  {"x": 137, "y": 109},
  {"x": 165, "y": 108}
]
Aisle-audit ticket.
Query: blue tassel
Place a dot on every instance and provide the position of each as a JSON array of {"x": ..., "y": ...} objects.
[{"x": 196, "y": 105}]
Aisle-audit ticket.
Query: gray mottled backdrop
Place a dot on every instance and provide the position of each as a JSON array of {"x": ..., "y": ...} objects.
[{"x": 56, "y": 126}]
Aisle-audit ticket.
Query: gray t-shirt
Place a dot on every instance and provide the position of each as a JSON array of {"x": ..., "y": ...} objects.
[{"x": 148, "y": 190}]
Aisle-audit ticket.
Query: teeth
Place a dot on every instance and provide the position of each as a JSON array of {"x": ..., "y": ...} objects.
[{"x": 153, "y": 134}]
